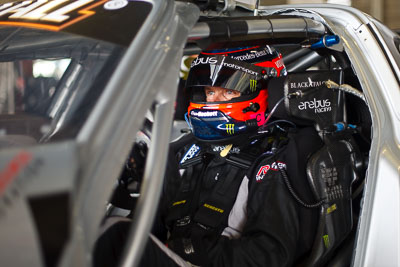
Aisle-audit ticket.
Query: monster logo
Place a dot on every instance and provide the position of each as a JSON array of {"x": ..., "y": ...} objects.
[
  {"x": 253, "y": 85},
  {"x": 230, "y": 128}
]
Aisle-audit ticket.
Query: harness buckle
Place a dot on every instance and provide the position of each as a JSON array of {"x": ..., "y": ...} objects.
[
  {"x": 203, "y": 226},
  {"x": 183, "y": 221}
]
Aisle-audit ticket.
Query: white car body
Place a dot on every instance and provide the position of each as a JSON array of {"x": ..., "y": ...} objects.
[{"x": 85, "y": 166}]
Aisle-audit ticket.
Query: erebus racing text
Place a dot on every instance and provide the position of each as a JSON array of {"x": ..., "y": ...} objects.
[{"x": 319, "y": 106}]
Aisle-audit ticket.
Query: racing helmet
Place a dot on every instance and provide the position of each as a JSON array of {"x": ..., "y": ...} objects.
[{"x": 244, "y": 71}]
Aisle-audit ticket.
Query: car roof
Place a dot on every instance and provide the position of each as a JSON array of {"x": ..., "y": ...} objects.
[{"x": 113, "y": 21}]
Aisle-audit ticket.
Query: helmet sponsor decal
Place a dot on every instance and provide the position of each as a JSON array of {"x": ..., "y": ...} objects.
[
  {"x": 253, "y": 85},
  {"x": 203, "y": 60},
  {"x": 259, "y": 118},
  {"x": 222, "y": 63},
  {"x": 241, "y": 68},
  {"x": 265, "y": 168},
  {"x": 51, "y": 15},
  {"x": 230, "y": 128},
  {"x": 191, "y": 153},
  {"x": 204, "y": 113},
  {"x": 251, "y": 55}
]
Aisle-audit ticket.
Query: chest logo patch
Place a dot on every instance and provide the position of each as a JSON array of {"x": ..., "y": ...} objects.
[
  {"x": 191, "y": 153},
  {"x": 265, "y": 168}
]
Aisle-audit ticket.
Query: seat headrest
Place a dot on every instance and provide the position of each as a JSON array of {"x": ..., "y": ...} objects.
[{"x": 310, "y": 101}]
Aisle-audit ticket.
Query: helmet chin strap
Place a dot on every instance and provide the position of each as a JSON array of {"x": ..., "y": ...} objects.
[{"x": 262, "y": 127}]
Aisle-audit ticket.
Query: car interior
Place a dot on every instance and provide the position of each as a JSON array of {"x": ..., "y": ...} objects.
[{"x": 319, "y": 78}]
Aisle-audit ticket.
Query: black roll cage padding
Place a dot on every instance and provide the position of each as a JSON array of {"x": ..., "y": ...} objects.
[
  {"x": 215, "y": 32},
  {"x": 304, "y": 62},
  {"x": 298, "y": 53}
]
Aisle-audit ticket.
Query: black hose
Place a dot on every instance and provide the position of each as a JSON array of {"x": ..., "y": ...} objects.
[{"x": 294, "y": 194}]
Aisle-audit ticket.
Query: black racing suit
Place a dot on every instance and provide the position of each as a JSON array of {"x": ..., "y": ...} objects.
[{"x": 261, "y": 223}]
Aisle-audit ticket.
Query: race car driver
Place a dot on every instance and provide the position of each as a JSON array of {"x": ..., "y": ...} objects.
[{"x": 228, "y": 204}]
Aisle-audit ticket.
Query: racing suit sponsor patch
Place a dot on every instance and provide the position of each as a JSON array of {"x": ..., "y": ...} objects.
[
  {"x": 275, "y": 166},
  {"x": 192, "y": 152},
  {"x": 211, "y": 207},
  {"x": 234, "y": 149}
]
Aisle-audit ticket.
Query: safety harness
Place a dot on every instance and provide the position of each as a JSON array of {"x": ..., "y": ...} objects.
[
  {"x": 214, "y": 208},
  {"x": 197, "y": 213}
]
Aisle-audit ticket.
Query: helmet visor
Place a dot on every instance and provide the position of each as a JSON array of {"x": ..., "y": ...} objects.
[{"x": 225, "y": 72}]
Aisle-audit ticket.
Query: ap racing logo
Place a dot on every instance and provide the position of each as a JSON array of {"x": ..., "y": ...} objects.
[
  {"x": 265, "y": 168},
  {"x": 51, "y": 15}
]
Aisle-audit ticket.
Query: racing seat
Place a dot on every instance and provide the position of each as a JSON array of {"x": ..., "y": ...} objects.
[{"x": 333, "y": 169}]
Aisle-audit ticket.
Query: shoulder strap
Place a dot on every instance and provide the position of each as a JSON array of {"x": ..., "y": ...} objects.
[
  {"x": 181, "y": 204},
  {"x": 217, "y": 206}
]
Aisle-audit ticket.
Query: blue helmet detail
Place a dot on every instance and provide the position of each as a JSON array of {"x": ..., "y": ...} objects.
[{"x": 214, "y": 125}]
